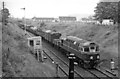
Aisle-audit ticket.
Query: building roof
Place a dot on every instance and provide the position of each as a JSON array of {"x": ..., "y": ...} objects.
[
  {"x": 36, "y": 37},
  {"x": 67, "y": 18},
  {"x": 43, "y": 18}
]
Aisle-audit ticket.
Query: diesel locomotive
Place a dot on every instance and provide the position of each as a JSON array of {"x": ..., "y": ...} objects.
[{"x": 87, "y": 53}]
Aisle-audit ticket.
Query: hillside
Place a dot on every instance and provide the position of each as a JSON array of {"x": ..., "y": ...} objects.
[
  {"x": 0, "y": 49},
  {"x": 17, "y": 60}
]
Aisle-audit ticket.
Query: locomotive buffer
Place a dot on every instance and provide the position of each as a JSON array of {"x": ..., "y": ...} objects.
[{"x": 71, "y": 66}]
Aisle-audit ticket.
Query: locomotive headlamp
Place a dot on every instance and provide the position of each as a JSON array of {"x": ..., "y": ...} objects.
[
  {"x": 98, "y": 57},
  {"x": 91, "y": 57}
]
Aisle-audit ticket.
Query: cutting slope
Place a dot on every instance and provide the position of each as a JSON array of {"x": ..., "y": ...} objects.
[{"x": 17, "y": 60}]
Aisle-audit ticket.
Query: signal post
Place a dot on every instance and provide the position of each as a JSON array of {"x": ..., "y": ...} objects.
[{"x": 71, "y": 66}]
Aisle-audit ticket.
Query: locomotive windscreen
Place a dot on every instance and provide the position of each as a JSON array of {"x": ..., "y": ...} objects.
[
  {"x": 86, "y": 49},
  {"x": 91, "y": 48},
  {"x": 92, "y": 43}
]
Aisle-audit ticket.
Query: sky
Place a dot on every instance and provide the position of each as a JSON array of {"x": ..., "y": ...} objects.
[
  {"x": 49, "y": 8},
  {"x": 109, "y": 0}
]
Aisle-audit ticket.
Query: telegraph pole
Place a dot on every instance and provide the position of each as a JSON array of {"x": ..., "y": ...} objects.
[
  {"x": 3, "y": 5},
  {"x": 24, "y": 19}
]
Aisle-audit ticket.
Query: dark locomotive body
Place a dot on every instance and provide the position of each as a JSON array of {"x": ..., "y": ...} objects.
[
  {"x": 85, "y": 56},
  {"x": 87, "y": 53}
]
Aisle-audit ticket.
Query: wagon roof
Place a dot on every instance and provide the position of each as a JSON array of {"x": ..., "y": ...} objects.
[
  {"x": 47, "y": 31},
  {"x": 55, "y": 33}
]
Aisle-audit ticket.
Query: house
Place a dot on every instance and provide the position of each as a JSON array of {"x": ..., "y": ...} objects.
[
  {"x": 85, "y": 20},
  {"x": 67, "y": 19},
  {"x": 107, "y": 22},
  {"x": 43, "y": 19}
]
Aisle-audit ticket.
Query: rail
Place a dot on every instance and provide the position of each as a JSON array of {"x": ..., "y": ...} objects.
[{"x": 59, "y": 66}]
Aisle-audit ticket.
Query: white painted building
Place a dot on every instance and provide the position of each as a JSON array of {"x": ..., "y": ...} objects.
[{"x": 107, "y": 22}]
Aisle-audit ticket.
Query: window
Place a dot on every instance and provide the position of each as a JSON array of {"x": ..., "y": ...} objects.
[
  {"x": 97, "y": 48},
  {"x": 31, "y": 43},
  {"x": 81, "y": 49},
  {"x": 38, "y": 42},
  {"x": 92, "y": 47},
  {"x": 86, "y": 49},
  {"x": 68, "y": 40}
]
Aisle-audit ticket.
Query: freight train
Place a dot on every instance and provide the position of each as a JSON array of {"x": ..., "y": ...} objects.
[{"x": 86, "y": 52}]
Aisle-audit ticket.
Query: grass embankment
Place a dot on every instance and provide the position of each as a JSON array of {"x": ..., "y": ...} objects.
[
  {"x": 0, "y": 49},
  {"x": 16, "y": 58}
]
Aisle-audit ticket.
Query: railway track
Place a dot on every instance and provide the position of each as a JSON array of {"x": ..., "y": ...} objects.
[
  {"x": 62, "y": 69},
  {"x": 106, "y": 72},
  {"x": 62, "y": 64},
  {"x": 98, "y": 72},
  {"x": 66, "y": 74}
]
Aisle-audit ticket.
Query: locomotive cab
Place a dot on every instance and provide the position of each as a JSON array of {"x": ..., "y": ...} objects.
[
  {"x": 91, "y": 55},
  {"x": 86, "y": 52}
]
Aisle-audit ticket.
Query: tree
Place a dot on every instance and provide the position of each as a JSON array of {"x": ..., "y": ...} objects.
[
  {"x": 119, "y": 12},
  {"x": 5, "y": 14},
  {"x": 106, "y": 10}
]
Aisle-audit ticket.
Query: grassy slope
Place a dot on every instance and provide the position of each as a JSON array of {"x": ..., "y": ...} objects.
[
  {"x": 0, "y": 49},
  {"x": 18, "y": 61},
  {"x": 105, "y": 36}
]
